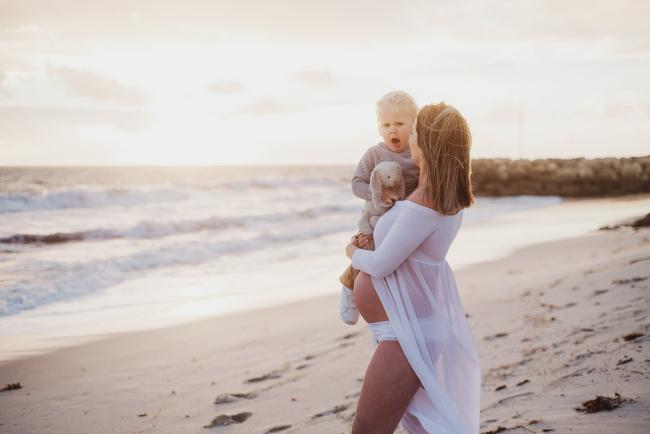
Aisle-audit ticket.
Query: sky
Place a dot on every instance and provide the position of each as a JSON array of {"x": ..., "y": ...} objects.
[{"x": 203, "y": 82}]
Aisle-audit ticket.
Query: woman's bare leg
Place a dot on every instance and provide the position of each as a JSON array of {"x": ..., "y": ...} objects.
[
  {"x": 388, "y": 387},
  {"x": 389, "y": 383}
]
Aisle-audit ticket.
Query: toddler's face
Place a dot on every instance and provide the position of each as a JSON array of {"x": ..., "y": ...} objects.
[{"x": 394, "y": 127}]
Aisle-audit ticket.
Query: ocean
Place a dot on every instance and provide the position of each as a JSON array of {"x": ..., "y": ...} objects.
[{"x": 90, "y": 251}]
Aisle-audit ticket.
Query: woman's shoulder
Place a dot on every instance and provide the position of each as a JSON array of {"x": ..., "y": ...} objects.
[
  {"x": 417, "y": 206},
  {"x": 418, "y": 202}
]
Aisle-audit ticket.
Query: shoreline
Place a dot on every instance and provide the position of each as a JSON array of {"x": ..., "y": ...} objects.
[
  {"x": 559, "y": 320},
  {"x": 522, "y": 222}
]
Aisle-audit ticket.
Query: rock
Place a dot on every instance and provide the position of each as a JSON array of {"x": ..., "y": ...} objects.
[{"x": 577, "y": 177}]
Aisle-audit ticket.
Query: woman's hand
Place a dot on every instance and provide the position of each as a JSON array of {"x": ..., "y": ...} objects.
[{"x": 351, "y": 247}]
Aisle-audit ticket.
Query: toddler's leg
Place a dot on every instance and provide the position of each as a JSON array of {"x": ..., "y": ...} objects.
[
  {"x": 347, "y": 278},
  {"x": 347, "y": 308}
]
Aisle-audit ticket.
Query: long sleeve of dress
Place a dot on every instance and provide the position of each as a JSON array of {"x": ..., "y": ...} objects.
[
  {"x": 361, "y": 176},
  {"x": 411, "y": 227}
]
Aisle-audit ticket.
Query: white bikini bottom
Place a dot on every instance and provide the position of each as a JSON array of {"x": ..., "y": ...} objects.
[{"x": 382, "y": 331}]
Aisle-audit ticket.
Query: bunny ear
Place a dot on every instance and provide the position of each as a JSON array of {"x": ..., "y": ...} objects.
[
  {"x": 402, "y": 186},
  {"x": 375, "y": 188}
]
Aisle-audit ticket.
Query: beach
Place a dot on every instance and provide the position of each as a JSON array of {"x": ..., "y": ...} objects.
[
  {"x": 556, "y": 323},
  {"x": 180, "y": 184}
]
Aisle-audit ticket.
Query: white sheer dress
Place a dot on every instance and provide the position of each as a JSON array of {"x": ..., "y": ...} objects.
[{"x": 417, "y": 289}]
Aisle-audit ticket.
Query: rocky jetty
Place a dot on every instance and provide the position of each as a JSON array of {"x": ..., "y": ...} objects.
[{"x": 577, "y": 177}]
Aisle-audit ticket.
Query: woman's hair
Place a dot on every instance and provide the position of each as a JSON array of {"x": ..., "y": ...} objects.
[
  {"x": 397, "y": 100},
  {"x": 445, "y": 141}
]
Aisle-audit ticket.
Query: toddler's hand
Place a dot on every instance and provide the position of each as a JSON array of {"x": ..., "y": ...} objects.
[{"x": 366, "y": 241}]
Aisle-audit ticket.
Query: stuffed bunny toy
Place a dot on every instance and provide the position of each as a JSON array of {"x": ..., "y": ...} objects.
[{"x": 386, "y": 186}]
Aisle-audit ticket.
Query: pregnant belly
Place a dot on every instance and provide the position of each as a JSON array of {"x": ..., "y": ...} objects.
[{"x": 367, "y": 300}]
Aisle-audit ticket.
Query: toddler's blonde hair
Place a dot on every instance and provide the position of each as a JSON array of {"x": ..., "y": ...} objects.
[{"x": 398, "y": 100}]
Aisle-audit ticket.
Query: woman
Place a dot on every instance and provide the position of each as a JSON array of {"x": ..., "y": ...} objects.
[{"x": 425, "y": 369}]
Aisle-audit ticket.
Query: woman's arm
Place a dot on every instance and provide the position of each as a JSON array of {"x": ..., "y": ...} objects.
[{"x": 410, "y": 228}]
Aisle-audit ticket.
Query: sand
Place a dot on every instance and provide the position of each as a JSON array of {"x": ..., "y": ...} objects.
[{"x": 570, "y": 322}]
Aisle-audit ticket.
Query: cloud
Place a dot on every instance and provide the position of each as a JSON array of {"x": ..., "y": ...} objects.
[
  {"x": 227, "y": 86},
  {"x": 318, "y": 77},
  {"x": 10, "y": 64},
  {"x": 338, "y": 22},
  {"x": 504, "y": 112},
  {"x": 89, "y": 84},
  {"x": 15, "y": 119},
  {"x": 265, "y": 107},
  {"x": 537, "y": 28},
  {"x": 625, "y": 109},
  {"x": 128, "y": 19},
  {"x": 50, "y": 135},
  {"x": 4, "y": 67},
  {"x": 24, "y": 30}
]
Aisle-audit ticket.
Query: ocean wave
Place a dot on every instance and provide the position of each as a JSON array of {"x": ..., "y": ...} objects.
[
  {"x": 57, "y": 281},
  {"x": 275, "y": 182},
  {"x": 148, "y": 229},
  {"x": 86, "y": 197}
]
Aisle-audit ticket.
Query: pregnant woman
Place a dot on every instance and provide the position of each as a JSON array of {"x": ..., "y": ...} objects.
[{"x": 425, "y": 370}]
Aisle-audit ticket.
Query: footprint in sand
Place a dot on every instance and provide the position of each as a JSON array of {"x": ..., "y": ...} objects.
[
  {"x": 506, "y": 399},
  {"x": 232, "y": 397},
  {"x": 630, "y": 337},
  {"x": 626, "y": 281},
  {"x": 495, "y": 336},
  {"x": 274, "y": 374},
  {"x": 349, "y": 335},
  {"x": 634, "y": 261},
  {"x": 11, "y": 386},
  {"x": 226, "y": 419},
  {"x": 277, "y": 429},
  {"x": 269, "y": 376},
  {"x": 336, "y": 409}
]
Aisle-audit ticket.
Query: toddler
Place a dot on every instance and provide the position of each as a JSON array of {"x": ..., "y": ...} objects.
[{"x": 396, "y": 112}]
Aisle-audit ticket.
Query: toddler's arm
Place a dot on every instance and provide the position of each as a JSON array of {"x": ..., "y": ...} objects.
[{"x": 361, "y": 176}]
